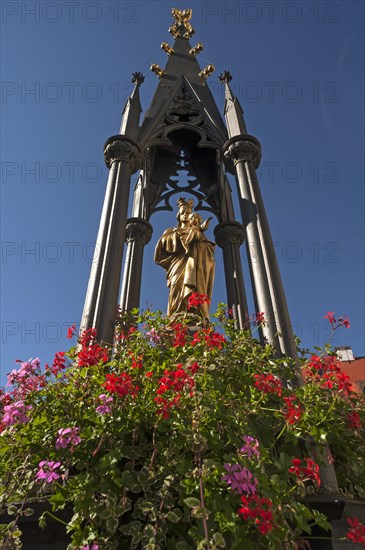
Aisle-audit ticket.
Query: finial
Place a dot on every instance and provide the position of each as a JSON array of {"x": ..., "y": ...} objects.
[
  {"x": 137, "y": 78},
  {"x": 166, "y": 48},
  {"x": 197, "y": 49},
  {"x": 182, "y": 18},
  {"x": 225, "y": 77},
  {"x": 157, "y": 70},
  {"x": 209, "y": 69}
]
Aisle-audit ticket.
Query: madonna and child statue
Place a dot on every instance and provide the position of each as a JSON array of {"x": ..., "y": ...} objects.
[{"x": 187, "y": 256}]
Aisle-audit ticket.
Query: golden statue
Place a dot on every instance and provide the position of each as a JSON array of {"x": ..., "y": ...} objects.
[
  {"x": 182, "y": 18},
  {"x": 188, "y": 259}
]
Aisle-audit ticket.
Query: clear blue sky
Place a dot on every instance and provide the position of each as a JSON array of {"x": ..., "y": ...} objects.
[{"x": 298, "y": 71}]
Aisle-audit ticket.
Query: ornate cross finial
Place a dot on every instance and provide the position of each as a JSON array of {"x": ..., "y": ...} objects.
[
  {"x": 225, "y": 77},
  {"x": 182, "y": 18},
  {"x": 137, "y": 78}
]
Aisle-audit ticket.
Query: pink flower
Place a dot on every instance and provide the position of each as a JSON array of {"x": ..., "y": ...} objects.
[
  {"x": 104, "y": 407},
  {"x": 67, "y": 436},
  {"x": 16, "y": 413},
  {"x": 47, "y": 471},
  {"x": 251, "y": 448},
  {"x": 153, "y": 336},
  {"x": 87, "y": 547},
  {"x": 27, "y": 368},
  {"x": 240, "y": 479}
]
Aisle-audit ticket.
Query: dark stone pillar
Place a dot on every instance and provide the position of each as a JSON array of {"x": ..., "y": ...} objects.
[
  {"x": 138, "y": 234},
  {"x": 229, "y": 236},
  {"x": 123, "y": 157},
  {"x": 242, "y": 149}
]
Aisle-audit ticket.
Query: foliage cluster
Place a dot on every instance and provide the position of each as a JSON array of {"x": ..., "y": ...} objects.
[{"x": 180, "y": 437}]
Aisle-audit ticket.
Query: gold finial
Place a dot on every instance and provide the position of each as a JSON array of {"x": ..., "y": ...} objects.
[
  {"x": 166, "y": 48},
  {"x": 197, "y": 49},
  {"x": 157, "y": 70},
  {"x": 182, "y": 18},
  {"x": 225, "y": 77},
  {"x": 209, "y": 69}
]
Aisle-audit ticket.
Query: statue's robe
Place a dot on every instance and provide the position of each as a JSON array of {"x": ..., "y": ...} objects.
[{"x": 186, "y": 272}]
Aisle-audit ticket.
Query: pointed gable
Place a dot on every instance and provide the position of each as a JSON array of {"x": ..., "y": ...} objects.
[{"x": 181, "y": 77}]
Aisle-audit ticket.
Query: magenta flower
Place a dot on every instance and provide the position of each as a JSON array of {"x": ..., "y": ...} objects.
[
  {"x": 47, "y": 471},
  {"x": 153, "y": 336},
  {"x": 104, "y": 407},
  {"x": 240, "y": 479},
  {"x": 67, "y": 436},
  {"x": 251, "y": 448},
  {"x": 16, "y": 413},
  {"x": 93, "y": 547}
]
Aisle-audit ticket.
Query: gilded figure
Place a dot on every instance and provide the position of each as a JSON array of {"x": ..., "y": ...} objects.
[{"x": 188, "y": 259}]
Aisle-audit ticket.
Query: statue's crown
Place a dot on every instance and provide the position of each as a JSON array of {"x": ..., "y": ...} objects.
[{"x": 183, "y": 202}]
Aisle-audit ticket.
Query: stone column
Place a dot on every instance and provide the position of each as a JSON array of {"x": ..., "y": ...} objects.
[
  {"x": 229, "y": 236},
  {"x": 241, "y": 150},
  {"x": 123, "y": 157},
  {"x": 282, "y": 317},
  {"x": 138, "y": 234}
]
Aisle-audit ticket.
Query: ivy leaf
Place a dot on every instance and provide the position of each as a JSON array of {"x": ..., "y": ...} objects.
[
  {"x": 192, "y": 502},
  {"x": 174, "y": 515},
  {"x": 112, "y": 525},
  {"x": 219, "y": 540}
]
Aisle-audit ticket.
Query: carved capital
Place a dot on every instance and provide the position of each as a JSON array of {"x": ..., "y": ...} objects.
[
  {"x": 138, "y": 230},
  {"x": 243, "y": 148},
  {"x": 229, "y": 233},
  {"x": 123, "y": 149}
]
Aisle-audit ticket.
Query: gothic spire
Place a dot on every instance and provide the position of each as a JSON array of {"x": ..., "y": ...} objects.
[
  {"x": 233, "y": 111},
  {"x": 132, "y": 109}
]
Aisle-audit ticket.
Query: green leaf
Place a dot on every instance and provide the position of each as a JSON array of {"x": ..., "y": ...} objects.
[
  {"x": 199, "y": 512},
  {"x": 112, "y": 525},
  {"x": 219, "y": 540},
  {"x": 181, "y": 545},
  {"x": 146, "y": 506},
  {"x": 58, "y": 501},
  {"x": 129, "y": 452},
  {"x": 192, "y": 502},
  {"x": 321, "y": 520},
  {"x": 42, "y": 521},
  {"x": 174, "y": 515},
  {"x": 105, "y": 514},
  {"x": 12, "y": 510}
]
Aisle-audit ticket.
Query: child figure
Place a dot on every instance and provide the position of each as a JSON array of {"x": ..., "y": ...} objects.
[{"x": 195, "y": 230}]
